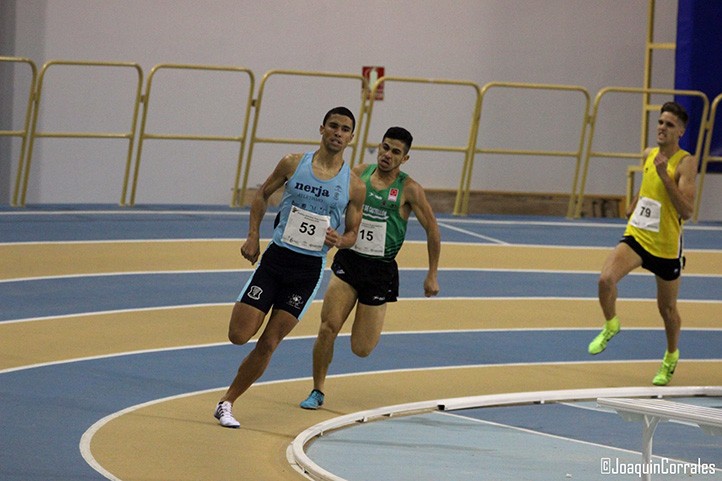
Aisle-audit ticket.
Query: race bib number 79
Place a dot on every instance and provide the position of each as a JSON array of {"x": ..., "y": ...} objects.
[{"x": 647, "y": 214}]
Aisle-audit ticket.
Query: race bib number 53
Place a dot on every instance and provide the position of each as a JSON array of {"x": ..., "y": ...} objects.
[{"x": 305, "y": 229}]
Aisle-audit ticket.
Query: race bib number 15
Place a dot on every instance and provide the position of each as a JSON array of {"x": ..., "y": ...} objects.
[{"x": 371, "y": 238}]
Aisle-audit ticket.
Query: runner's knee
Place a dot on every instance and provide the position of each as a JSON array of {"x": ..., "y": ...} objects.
[
  {"x": 237, "y": 336},
  {"x": 362, "y": 348},
  {"x": 361, "y": 351},
  {"x": 668, "y": 311},
  {"x": 328, "y": 329},
  {"x": 267, "y": 345},
  {"x": 606, "y": 282}
]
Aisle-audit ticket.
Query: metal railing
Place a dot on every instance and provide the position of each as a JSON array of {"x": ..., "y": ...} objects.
[
  {"x": 649, "y": 48},
  {"x": 143, "y": 134},
  {"x": 467, "y": 150},
  {"x": 23, "y": 134},
  {"x": 240, "y": 191},
  {"x": 707, "y": 157},
  {"x": 629, "y": 155},
  {"x": 576, "y": 154},
  {"x": 587, "y": 129},
  {"x": 35, "y": 134}
]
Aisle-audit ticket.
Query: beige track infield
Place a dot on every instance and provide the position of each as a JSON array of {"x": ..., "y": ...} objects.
[
  {"x": 178, "y": 439},
  {"x": 36, "y": 341},
  {"x": 55, "y": 259},
  {"x": 73, "y": 337}
]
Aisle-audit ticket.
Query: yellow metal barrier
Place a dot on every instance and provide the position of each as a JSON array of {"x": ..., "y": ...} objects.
[
  {"x": 630, "y": 172},
  {"x": 647, "y": 106},
  {"x": 142, "y": 135},
  {"x": 26, "y": 125},
  {"x": 577, "y": 154},
  {"x": 650, "y": 47},
  {"x": 130, "y": 135},
  {"x": 706, "y": 156},
  {"x": 254, "y": 139},
  {"x": 467, "y": 150}
]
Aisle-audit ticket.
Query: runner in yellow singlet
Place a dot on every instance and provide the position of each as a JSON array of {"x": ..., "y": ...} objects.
[{"x": 653, "y": 237}]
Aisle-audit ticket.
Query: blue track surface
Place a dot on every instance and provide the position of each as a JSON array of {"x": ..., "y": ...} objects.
[
  {"x": 45, "y": 410},
  {"x": 49, "y": 408},
  {"x": 52, "y": 297}
]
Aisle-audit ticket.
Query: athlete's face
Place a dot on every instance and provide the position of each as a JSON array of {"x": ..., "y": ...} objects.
[
  {"x": 337, "y": 132},
  {"x": 392, "y": 153},
  {"x": 669, "y": 129}
]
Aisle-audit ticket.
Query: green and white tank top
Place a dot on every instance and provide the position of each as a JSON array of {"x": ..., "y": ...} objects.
[{"x": 382, "y": 230}]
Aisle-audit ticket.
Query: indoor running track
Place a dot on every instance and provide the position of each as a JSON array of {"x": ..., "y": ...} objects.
[{"x": 113, "y": 349}]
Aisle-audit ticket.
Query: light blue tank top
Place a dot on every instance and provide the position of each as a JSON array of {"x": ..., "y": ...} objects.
[{"x": 323, "y": 197}]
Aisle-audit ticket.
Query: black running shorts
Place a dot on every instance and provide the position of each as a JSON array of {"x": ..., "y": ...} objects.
[
  {"x": 667, "y": 269},
  {"x": 375, "y": 281}
]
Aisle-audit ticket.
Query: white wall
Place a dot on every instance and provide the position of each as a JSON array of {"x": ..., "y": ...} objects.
[{"x": 592, "y": 44}]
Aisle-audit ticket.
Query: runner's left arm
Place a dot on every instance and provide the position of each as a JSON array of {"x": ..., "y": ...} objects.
[
  {"x": 416, "y": 197},
  {"x": 354, "y": 212}
]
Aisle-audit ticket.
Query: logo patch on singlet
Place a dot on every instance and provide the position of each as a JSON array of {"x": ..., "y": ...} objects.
[{"x": 393, "y": 194}]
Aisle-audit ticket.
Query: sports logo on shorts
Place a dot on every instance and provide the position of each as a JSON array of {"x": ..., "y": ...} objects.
[
  {"x": 295, "y": 301},
  {"x": 255, "y": 292}
]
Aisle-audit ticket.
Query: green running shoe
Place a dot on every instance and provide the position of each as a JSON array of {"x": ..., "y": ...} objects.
[
  {"x": 669, "y": 364},
  {"x": 611, "y": 328}
]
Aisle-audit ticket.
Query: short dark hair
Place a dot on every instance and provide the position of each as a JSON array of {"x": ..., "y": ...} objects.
[
  {"x": 341, "y": 111},
  {"x": 400, "y": 133},
  {"x": 676, "y": 109}
]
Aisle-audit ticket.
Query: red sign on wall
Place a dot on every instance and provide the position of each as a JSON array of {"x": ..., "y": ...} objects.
[{"x": 372, "y": 74}]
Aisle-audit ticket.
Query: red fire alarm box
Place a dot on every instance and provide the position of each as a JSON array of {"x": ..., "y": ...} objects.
[{"x": 372, "y": 74}]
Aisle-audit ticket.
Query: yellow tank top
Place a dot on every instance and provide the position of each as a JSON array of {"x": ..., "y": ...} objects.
[{"x": 655, "y": 223}]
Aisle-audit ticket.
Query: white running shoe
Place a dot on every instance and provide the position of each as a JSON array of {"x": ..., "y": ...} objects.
[{"x": 224, "y": 414}]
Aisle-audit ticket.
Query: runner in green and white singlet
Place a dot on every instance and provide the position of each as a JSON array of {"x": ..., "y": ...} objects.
[
  {"x": 383, "y": 228},
  {"x": 366, "y": 276}
]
